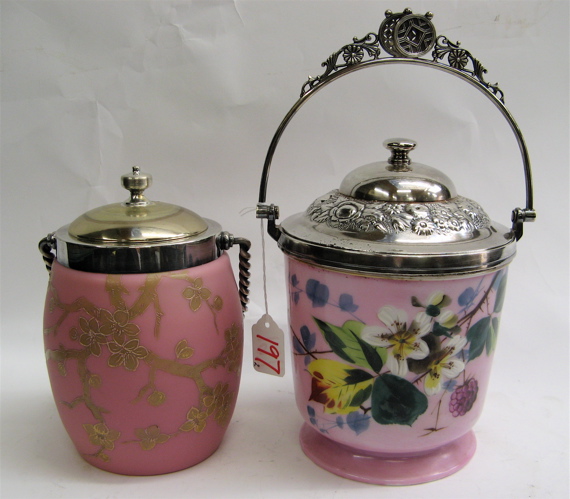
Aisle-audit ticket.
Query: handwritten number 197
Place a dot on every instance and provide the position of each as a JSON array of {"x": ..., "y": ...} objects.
[{"x": 273, "y": 353}]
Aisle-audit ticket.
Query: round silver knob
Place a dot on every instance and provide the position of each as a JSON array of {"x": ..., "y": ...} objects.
[
  {"x": 136, "y": 182},
  {"x": 400, "y": 148}
]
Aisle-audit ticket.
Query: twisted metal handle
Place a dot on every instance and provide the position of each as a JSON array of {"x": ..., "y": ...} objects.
[
  {"x": 405, "y": 37},
  {"x": 244, "y": 270},
  {"x": 225, "y": 242},
  {"x": 47, "y": 248}
]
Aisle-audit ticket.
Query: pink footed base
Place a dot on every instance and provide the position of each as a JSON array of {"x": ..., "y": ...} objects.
[{"x": 387, "y": 469}]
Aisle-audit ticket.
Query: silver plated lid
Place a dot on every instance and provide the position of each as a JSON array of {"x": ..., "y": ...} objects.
[
  {"x": 137, "y": 236},
  {"x": 397, "y": 217}
]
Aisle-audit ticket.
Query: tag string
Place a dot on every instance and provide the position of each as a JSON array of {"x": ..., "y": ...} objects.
[{"x": 264, "y": 267}]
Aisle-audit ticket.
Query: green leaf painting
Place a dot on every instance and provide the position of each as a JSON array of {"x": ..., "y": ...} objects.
[
  {"x": 483, "y": 336},
  {"x": 340, "y": 388},
  {"x": 500, "y": 299},
  {"x": 477, "y": 336},
  {"x": 396, "y": 401},
  {"x": 346, "y": 343}
]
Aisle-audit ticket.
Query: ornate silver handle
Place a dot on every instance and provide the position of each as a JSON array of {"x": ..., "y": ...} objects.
[
  {"x": 405, "y": 37},
  {"x": 225, "y": 242}
]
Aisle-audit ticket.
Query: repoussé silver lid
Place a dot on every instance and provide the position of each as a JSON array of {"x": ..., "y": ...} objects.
[{"x": 397, "y": 217}]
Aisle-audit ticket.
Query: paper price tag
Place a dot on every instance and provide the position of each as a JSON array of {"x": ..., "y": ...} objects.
[{"x": 268, "y": 347}]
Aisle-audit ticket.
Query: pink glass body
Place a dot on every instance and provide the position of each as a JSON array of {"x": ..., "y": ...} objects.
[
  {"x": 393, "y": 368},
  {"x": 144, "y": 368}
]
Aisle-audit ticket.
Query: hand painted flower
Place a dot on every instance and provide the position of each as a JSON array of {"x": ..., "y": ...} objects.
[
  {"x": 402, "y": 342},
  {"x": 445, "y": 366},
  {"x": 436, "y": 308}
]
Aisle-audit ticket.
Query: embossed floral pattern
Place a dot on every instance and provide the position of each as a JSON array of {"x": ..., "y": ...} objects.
[
  {"x": 457, "y": 59},
  {"x": 353, "y": 54},
  {"x": 344, "y": 213},
  {"x": 424, "y": 227}
]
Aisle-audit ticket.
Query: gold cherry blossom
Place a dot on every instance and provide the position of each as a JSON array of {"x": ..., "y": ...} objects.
[
  {"x": 90, "y": 335},
  {"x": 219, "y": 402},
  {"x": 127, "y": 354},
  {"x": 196, "y": 420},
  {"x": 195, "y": 293},
  {"x": 117, "y": 324},
  {"x": 150, "y": 436},
  {"x": 232, "y": 353},
  {"x": 101, "y": 436}
]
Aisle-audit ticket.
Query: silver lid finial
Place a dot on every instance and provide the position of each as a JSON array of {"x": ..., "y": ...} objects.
[
  {"x": 136, "y": 182},
  {"x": 399, "y": 161}
]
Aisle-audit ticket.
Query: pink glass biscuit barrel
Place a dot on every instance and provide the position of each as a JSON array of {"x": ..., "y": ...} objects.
[
  {"x": 396, "y": 287},
  {"x": 143, "y": 333}
]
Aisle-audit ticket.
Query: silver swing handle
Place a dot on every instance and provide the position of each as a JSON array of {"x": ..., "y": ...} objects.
[{"x": 405, "y": 37}]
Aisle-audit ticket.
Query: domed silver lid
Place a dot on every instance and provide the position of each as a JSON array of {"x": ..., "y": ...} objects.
[
  {"x": 397, "y": 217},
  {"x": 137, "y": 220}
]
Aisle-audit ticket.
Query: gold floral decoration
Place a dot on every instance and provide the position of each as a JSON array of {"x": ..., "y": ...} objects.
[
  {"x": 156, "y": 398},
  {"x": 149, "y": 437},
  {"x": 117, "y": 324},
  {"x": 94, "y": 380},
  {"x": 196, "y": 293},
  {"x": 196, "y": 420},
  {"x": 90, "y": 336},
  {"x": 101, "y": 436},
  {"x": 183, "y": 351},
  {"x": 219, "y": 403},
  {"x": 232, "y": 353},
  {"x": 115, "y": 328},
  {"x": 127, "y": 354}
]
